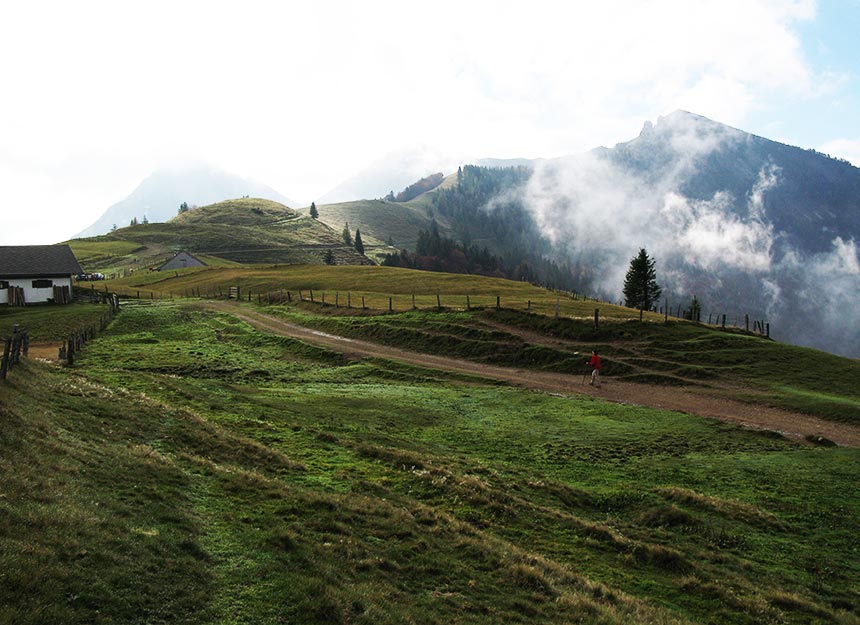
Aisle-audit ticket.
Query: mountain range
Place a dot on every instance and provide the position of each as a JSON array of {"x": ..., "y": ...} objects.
[{"x": 747, "y": 225}]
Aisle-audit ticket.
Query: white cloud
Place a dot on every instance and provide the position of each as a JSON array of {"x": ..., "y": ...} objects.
[{"x": 302, "y": 95}]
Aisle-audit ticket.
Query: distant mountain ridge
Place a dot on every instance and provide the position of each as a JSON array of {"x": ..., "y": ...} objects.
[
  {"x": 813, "y": 197},
  {"x": 160, "y": 194}
]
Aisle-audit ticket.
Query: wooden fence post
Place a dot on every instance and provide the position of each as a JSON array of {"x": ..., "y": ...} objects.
[
  {"x": 468, "y": 303},
  {"x": 438, "y": 302},
  {"x": 312, "y": 296},
  {"x": 529, "y": 306},
  {"x": 336, "y": 298},
  {"x": 413, "y": 301},
  {"x": 556, "y": 309},
  {"x": 7, "y": 351},
  {"x": 498, "y": 302},
  {"x": 348, "y": 299},
  {"x": 362, "y": 302},
  {"x": 596, "y": 318},
  {"x": 724, "y": 321},
  {"x": 390, "y": 304}
]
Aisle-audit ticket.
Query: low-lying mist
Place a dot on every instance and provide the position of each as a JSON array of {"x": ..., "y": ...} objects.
[{"x": 675, "y": 192}]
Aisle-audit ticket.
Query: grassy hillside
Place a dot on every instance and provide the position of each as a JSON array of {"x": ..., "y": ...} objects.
[
  {"x": 191, "y": 469},
  {"x": 376, "y": 284},
  {"x": 246, "y": 230},
  {"x": 745, "y": 366},
  {"x": 723, "y": 363},
  {"x": 379, "y": 220}
]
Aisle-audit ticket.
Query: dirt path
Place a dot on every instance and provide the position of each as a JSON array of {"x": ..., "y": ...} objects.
[
  {"x": 701, "y": 402},
  {"x": 45, "y": 350}
]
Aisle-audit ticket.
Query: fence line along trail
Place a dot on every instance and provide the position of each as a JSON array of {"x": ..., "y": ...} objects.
[{"x": 697, "y": 401}]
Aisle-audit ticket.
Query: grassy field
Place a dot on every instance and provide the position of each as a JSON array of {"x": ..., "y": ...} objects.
[
  {"x": 742, "y": 366},
  {"x": 191, "y": 469},
  {"x": 745, "y": 365}
]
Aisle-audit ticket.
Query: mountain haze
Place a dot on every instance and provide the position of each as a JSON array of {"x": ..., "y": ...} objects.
[
  {"x": 746, "y": 224},
  {"x": 159, "y": 195}
]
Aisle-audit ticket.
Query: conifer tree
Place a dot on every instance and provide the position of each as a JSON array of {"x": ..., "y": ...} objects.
[
  {"x": 359, "y": 246},
  {"x": 640, "y": 285},
  {"x": 695, "y": 310},
  {"x": 347, "y": 237},
  {"x": 314, "y": 212}
]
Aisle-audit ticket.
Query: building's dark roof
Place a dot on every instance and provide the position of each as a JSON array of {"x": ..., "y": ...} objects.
[
  {"x": 180, "y": 261},
  {"x": 18, "y": 261}
]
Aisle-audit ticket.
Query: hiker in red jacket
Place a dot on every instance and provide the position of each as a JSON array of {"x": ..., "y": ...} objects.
[{"x": 594, "y": 363}]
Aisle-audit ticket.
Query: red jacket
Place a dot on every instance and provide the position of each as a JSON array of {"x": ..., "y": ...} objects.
[{"x": 594, "y": 362}]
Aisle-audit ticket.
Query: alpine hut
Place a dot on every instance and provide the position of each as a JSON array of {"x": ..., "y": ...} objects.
[{"x": 32, "y": 274}]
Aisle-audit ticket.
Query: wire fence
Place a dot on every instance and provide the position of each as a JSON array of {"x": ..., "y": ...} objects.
[{"x": 374, "y": 302}]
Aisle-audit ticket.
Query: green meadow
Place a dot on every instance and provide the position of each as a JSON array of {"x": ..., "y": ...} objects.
[{"x": 192, "y": 469}]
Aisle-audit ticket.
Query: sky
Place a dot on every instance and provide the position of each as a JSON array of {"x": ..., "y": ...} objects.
[{"x": 302, "y": 95}]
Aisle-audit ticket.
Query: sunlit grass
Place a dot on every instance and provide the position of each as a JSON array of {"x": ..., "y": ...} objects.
[{"x": 193, "y": 469}]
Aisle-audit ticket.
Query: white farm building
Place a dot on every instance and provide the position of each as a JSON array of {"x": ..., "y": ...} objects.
[{"x": 32, "y": 274}]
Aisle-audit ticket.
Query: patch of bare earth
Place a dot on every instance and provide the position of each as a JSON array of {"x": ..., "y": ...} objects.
[
  {"x": 697, "y": 401},
  {"x": 44, "y": 350}
]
